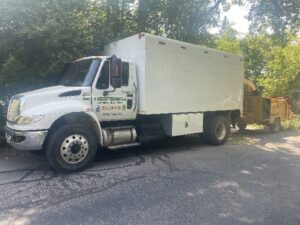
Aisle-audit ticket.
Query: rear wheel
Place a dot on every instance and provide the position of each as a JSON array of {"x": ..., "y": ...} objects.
[
  {"x": 217, "y": 130},
  {"x": 71, "y": 148}
]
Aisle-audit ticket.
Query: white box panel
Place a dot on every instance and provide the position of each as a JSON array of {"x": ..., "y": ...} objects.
[
  {"x": 177, "y": 77},
  {"x": 182, "y": 124}
]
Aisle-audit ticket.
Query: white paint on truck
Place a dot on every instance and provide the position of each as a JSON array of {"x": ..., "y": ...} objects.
[
  {"x": 177, "y": 77},
  {"x": 183, "y": 124}
]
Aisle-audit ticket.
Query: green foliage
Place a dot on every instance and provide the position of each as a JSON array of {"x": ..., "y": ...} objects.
[
  {"x": 38, "y": 38},
  {"x": 281, "y": 16},
  {"x": 190, "y": 21},
  {"x": 184, "y": 20},
  {"x": 120, "y": 19},
  {"x": 228, "y": 40},
  {"x": 293, "y": 124},
  {"x": 256, "y": 51},
  {"x": 274, "y": 67},
  {"x": 282, "y": 70}
]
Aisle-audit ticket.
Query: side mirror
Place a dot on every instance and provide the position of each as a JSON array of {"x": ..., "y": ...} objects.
[{"x": 116, "y": 72}]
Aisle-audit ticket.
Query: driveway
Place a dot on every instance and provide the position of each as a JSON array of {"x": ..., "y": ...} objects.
[{"x": 253, "y": 179}]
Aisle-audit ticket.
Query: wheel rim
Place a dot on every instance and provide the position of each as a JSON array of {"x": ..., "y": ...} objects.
[
  {"x": 74, "y": 149},
  {"x": 220, "y": 131}
]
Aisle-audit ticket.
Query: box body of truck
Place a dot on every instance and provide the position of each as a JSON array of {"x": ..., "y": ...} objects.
[{"x": 176, "y": 77}]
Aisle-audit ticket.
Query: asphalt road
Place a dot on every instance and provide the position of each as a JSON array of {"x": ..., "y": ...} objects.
[{"x": 253, "y": 179}]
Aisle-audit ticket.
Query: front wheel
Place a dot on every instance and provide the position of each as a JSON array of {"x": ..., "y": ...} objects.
[
  {"x": 217, "y": 130},
  {"x": 71, "y": 148}
]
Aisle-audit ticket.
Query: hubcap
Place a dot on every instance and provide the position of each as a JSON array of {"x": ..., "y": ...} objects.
[
  {"x": 221, "y": 131},
  {"x": 74, "y": 149}
]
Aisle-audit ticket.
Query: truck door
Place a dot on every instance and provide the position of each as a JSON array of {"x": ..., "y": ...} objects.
[{"x": 114, "y": 92}]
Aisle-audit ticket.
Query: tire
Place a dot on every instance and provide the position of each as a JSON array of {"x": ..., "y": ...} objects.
[
  {"x": 217, "y": 130},
  {"x": 276, "y": 126},
  {"x": 71, "y": 148}
]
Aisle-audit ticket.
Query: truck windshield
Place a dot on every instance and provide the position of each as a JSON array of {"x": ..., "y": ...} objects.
[{"x": 80, "y": 73}]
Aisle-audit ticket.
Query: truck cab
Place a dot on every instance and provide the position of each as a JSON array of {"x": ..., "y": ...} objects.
[
  {"x": 92, "y": 90},
  {"x": 114, "y": 90}
]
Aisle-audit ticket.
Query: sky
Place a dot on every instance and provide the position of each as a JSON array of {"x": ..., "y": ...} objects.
[{"x": 236, "y": 15}]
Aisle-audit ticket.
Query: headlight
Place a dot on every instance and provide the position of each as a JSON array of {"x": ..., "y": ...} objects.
[
  {"x": 25, "y": 120},
  {"x": 14, "y": 108}
]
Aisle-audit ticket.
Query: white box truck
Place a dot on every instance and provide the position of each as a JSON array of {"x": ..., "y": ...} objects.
[{"x": 144, "y": 86}]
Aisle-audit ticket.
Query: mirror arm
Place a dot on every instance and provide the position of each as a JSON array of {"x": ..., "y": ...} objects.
[{"x": 105, "y": 93}]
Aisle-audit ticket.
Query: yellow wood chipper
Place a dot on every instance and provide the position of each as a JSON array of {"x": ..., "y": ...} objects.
[{"x": 269, "y": 111}]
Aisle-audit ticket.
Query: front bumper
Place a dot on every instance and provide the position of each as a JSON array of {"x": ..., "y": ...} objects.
[{"x": 25, "y": 140}]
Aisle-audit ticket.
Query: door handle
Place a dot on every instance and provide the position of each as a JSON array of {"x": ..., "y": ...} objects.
[{"x": 86, "y": 96}]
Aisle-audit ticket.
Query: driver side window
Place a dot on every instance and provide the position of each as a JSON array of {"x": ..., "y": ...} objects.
[{"x": 103, "y": 81}]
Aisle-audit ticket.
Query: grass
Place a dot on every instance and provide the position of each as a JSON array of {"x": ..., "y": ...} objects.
[
  {"x": 255, "y": 126},
  {"x": 289, "y": 125},
  {"x": 293, "y": 124}
]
